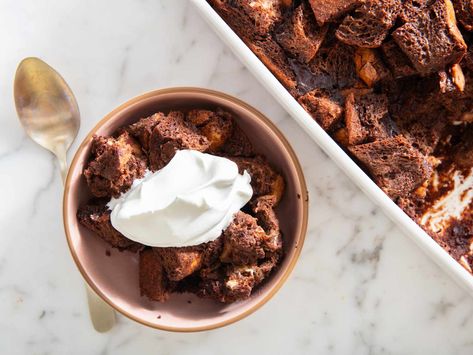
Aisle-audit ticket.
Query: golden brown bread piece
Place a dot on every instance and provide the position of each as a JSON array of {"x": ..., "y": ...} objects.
[
  {"x": 218, "y": 130},
  {"x": 452, "y": 79},
  {"x": 264, "y": 179},
  {"x": 255, "y": 18},
  {"x": 369, "y": 67},
  {"x": 179, "y": 263}
]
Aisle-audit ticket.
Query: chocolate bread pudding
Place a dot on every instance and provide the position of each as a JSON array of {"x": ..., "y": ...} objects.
[
  {"x": 225, "y": 266},
  {"x": 391, "y": 81}
]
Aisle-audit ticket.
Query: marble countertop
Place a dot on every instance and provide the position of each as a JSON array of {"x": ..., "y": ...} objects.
[{"x": 360, "y": 287}]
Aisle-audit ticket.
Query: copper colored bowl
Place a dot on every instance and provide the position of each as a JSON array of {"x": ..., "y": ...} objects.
[{"x": 115, "y": 277}]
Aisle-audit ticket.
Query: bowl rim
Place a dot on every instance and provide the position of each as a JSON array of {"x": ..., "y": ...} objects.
[{"x": 300, "y": 180}]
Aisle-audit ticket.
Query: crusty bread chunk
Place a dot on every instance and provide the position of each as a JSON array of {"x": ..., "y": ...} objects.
[
  {"x": 170, "y": 134},
  {"x": 300, "y": 36},
  {"x": 243, "y": 241},
  {"x": 142, "y": 129},
  {"x": 431, "y": 39},
  {"x": 273, "y": 56},
  {"x": 255, "y": 18},
  {"x": 395, "y": 165},
  {"x": 330, "y": 10},
  {"x": 238, "y": 144},
  {"x": 398, "y": 63},
  {"x": 154, "y": 283},
  {"x": 324, "y": 108},
  {"x": 216, "y": 126},
  {"x": 333, "y": 67},
  {"x": 115, "y": 164},
  {"x": 264, "y": 179},
  {"x": 370, "y": 23},
  {"x": 366, "y": 118},
  {"x": 95, "y": 216},
  {"x": 179, "y": 263}
]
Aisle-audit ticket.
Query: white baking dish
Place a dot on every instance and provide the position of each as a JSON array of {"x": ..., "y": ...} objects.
[{"x": 422, "y": 239}]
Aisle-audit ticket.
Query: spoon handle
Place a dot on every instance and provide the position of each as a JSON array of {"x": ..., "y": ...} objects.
[
  {"x": 62, "y": 160},
  {"x": 101, "y": 314}
]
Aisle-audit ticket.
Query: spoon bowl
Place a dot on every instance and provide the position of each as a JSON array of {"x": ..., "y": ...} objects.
[{"x": 46, "y": 106}]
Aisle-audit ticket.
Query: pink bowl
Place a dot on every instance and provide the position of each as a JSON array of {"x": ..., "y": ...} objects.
[{"x": 113, "y": 275}]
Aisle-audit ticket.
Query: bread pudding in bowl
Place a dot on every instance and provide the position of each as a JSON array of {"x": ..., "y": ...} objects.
[{"x": 185, "y": 209}]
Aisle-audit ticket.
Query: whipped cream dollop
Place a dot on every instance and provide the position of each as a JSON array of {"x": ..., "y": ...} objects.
[{"x": 188, "y": 202}]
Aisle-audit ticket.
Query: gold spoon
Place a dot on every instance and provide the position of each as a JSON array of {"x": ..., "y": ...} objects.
[{"x": 48, "y": 111}]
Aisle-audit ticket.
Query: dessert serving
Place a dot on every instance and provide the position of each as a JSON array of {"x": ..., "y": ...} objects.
[
  {"x": 391, "y": 82},
  {"x": 188, "y": 193}
]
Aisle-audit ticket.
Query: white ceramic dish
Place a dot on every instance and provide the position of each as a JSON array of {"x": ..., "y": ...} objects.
[{"x": 267, "y": 79}]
